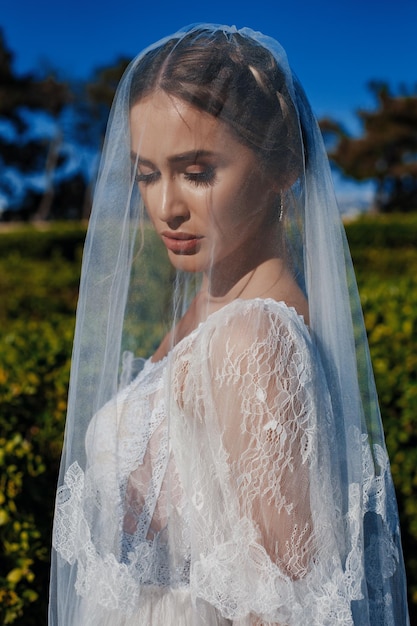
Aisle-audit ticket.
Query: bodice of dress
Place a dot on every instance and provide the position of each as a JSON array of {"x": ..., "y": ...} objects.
[{"x": 211, "y": 471}]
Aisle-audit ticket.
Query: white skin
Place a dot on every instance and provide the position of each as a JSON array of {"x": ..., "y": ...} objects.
[{"x": 211, "y": 203}]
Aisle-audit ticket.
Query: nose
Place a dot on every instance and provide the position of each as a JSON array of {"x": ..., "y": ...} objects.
[{"x": 173, "y": 207}]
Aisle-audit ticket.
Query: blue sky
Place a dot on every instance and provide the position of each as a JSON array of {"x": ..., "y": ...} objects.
[{"x": 336, "y": 47}]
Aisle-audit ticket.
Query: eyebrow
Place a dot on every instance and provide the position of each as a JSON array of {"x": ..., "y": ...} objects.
[{"x": 192, "y": 156}]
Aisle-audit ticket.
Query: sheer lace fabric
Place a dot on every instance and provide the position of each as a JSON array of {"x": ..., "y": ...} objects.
[{"x": 209, "y": 493}]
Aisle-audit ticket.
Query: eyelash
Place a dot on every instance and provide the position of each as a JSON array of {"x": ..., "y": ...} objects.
[
  {"x": 206, "y": 178},
  {"x": 147, "y": 179}
]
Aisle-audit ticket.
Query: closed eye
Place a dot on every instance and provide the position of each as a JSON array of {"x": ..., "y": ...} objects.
[
  {"x": 146, "y": 179},
  {"x": 205, "y": 178},
  {"x": 199, "y": 179},
  {"x": 144, "y": 171}
]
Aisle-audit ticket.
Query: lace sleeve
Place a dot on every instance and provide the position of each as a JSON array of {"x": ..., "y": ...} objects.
[
  {"x": 247, "y": 410},
  {"x": 261, "y": 378}
]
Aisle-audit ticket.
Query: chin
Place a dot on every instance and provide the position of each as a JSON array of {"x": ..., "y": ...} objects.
[{"x": 187, "y": 263}]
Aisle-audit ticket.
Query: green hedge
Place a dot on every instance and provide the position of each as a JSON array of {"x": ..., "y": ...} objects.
[
  {"x": 34, "y": 371},
  {"x": 39, "y": 276},
  {"x": 43, "y": 241},
  {"x": 383, "y": 231},
  {"x": 39, "y": 273}
]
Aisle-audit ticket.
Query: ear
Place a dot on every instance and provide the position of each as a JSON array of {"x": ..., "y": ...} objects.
[
  {"x": 283, "y": 176},
  {"x": 276, "y": 186}
]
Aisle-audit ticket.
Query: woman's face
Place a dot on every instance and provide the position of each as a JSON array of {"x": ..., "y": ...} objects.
[{"x": 204, "y": 191}]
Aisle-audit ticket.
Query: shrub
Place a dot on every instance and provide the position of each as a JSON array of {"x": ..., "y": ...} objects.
[
  {"x": 23, "y": 546},
  {"x": 36, "y": 327},
  {"x": 34, "y": 370},
  {"x": 44, "y": 241}
]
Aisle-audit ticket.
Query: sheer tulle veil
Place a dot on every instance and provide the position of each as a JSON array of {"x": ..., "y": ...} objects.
[{"x": 131, "y": 296}]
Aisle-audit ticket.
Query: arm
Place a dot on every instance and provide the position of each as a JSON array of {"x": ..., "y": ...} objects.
[
  {"x": 260, "y": 389},
  {"x": 244, "y": 436}
]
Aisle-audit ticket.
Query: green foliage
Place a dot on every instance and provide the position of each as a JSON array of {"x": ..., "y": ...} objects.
[
  {"x": 381, "y": 234},
  {"x": 34, "y": 371},
  {"x": 39, "y": 273},
  {"x": 36, "y": 327},
  {"x": 64, "y": 239},
  {"x": 22, "y": 545}
]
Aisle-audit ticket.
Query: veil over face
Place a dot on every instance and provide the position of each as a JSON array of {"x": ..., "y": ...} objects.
[
  {"x": 224, "y": 459},
  {"x": 205, "y": 192}
]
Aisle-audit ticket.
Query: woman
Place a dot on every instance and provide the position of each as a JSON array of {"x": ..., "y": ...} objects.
[{"x": 238, "y": 475}]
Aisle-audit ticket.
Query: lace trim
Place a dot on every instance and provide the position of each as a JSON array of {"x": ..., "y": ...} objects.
[{"x": 325, "y": 598}]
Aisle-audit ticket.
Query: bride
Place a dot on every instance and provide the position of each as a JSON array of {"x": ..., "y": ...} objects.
[{"x": 224, "y": 460}]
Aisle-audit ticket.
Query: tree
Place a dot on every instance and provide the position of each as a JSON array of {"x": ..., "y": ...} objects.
[
  {"x": 92, "y": 102},
  {"x": 386, "y": 152},
  {"x": 103, "y": 86},
  {"x": 23, "y": 153}
]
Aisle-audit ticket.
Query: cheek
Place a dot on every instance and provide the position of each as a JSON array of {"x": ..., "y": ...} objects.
[
  {"x": 243, "y": 206},
  {"x": 149, "y": 206},
  {"x": 149, "y": 197}
]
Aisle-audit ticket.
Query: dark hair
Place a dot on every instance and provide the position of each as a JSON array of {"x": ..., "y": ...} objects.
[{"x": 235, "y": 79}]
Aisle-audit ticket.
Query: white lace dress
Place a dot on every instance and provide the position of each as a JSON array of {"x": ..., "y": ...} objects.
[{"x": 209, "y": 497}]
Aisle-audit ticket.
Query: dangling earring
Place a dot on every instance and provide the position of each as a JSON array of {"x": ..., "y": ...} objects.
[{"x": 281, "y": 211}]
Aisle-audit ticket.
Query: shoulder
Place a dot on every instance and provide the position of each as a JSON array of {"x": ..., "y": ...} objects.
[
  {"x": 253, "y": 335},
  {"x": 248, "y": 322},
  {"x": 249, "y": 358}
]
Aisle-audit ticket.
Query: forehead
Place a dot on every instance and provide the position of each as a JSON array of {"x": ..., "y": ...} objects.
[{"x": 160, "y": 121}]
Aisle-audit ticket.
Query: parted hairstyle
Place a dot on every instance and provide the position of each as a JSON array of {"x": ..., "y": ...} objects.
[{"x": 236, "y": 80}]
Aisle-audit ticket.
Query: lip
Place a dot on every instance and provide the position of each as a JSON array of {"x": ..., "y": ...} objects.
[{"x": 181, "y": 243}]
